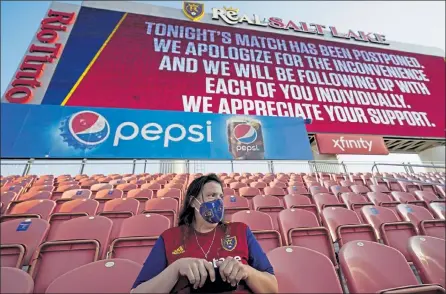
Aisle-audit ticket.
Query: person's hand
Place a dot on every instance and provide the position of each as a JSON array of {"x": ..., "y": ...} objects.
[
  {"x": 233, "y": 271},
  {"x": 196, "y": 270}
]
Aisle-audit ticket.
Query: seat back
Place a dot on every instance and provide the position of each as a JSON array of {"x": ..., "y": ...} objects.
[
  {"x": 232, "y": 204},
  {"x": 302, "y": 270},
  {"x": 428, "y": 255},
  {"x": 344, "y": 225},
  {"x": 117, "y": 210},
  {"x": 15, "y": 280},
  {"x": 359, "y": 189},
  {"x": 379, "y": 188},
  {"x": 77, "y": 242},
  {"x": 77, "y": 194},
  {"x": 20, "y": 239},
  {"x": 439, "y": 209},
  {"x": 269, "y": 204},
  {"x": 6, "y": 198},
  {"x": 337, "y": 189},
  {"x": 318, "y": 189},
  {"x": 382, "y": 267},
  {"x": 32, "y": 208},
  {"x": 413, "y": 213},
  {"x": 110, "y": 276},
  {"x": 34, "y": 195},
  {"x": 427, "y": 196},
  {"x": 165, "y": 206},
  {"x": 137, "y": 236},
  {"x": 325, "y": 200},
  {"x": 142, "y": 195}
]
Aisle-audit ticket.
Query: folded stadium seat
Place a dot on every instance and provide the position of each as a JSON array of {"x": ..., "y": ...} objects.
[
  {"x": 254, "y": 178},
  {"x": 59, "y": 190},
  {"x": 323, "y": 200},
  {"x": 270, "y": 205},
  {"x": 301, "y": 202},
  {"x": 367, "y": 180},
  {"x": 267, "y": 180},
  {"x": 301, "y": 228},
  {"x": 302, "y": 270},
  {"x": 259, "y": 185},
  {"x": 137, "y": 236},
  {"x": 228, "y": 191},
  {"x": 421, "y": 218},
  {"x": 313, "y": 184},
  {"x": 355, "y": 202},
  {"x": 33, "y": 195},
  {"x": 30, "y": 209},
  {"x": 233, "y": 204},
  {"x": 228, "y": 181},
  {"x": 346, "y": 183},
  {"x": 247, "y": 181},
  {"x": 126, "y": 187},
  {"x": 15, "y": 280},
  {"x": 393, "y": 185},
  {"x": 103, "y": 196},
  {"x": 428, "y": 255},
  {"x": 81, "y": 177},
  {"x": 275, "y": 191},
  {"x": 379, "y": 181},
  {"x": 295, "y": 183},
  {"x": 232, "y": 175},
  {"x": 69, "y": 210},
  {"x": 117, "y": 210},
  {"x": 359, "y": 189},
  {"x": 298, "y": 190},
  {"x": 117, "y": 182},
  {"x": 404, "y": 197},
  {"x": 328, "y": 183},
  {"x": 142, "y": 195},
  {"x": 66, "y": 183},
  {"x": 171, "y": 192},
  {"x": 356, "y": 180},
  {"x": 43, "y": 182},
  {"x": 237, "y": 186},
  {"x": 438, "y": 209},
  {"x": 427, "y": 196},
  {"x": 166, "y": 206},
  {"x": 138, "y": 182},
  {"x": 384, "y": 200},
  {"x": 337, "y": 177},
  {"x": 409, "y": 187},
  {"x": 104, "y": 180},
  {"x": 324, "y": 176},
  {"x": 72, "y": 195},
  {"x": 98, "y": 187},
  {"x": 278, "y": 184},
  {"x": 15, "y": 189},
  {"x": 87, "y": 183},
  {"x": 428, "y": 188},
  {"x": 239, "y": 178},
  {"x": 155, "y": 187},
  {"x": 370, "y": 267},
  {"x": 345, "y": 226},
  {"x": 389, "y": 228},
  {"x": 77, "y": 242},
  {"x": 441, "y": 191},
  {"x": 19, "y": 239},
  {"x": 110, "y": 276},
  {"x": 379, "y": 188},
  {"x": 97, "y": 176},
  {"x": 318, "y": 189},
  {"x": 129, "y": 178},
  {"x": 251, "y": 192},
  {"x": 222, "y": 174},
  {"x": 175, "y": 185},
  {"x": 337, "y": 190},
  {"x": 261, "y": 226}
]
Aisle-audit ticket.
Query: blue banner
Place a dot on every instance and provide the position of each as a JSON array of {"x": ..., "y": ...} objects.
[{"x": 47, "y": 131}]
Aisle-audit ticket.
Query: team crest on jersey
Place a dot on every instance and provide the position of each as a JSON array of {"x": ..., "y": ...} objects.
[
  {"x": 179, "y": 250},
  {"x": 229, "y": 243}
]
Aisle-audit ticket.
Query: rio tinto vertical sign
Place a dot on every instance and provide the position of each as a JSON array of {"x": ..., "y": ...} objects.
[{"x": 42, "y": 53}]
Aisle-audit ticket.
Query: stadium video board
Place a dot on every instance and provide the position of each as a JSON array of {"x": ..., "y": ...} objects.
[{"x": 116, "y": 59}]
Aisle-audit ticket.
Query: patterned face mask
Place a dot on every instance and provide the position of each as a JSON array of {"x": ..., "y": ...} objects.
[{"x": 212, "y": 211}]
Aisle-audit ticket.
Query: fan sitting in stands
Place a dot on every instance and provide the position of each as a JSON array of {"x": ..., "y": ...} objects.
[{"x": 205, "y": 255}]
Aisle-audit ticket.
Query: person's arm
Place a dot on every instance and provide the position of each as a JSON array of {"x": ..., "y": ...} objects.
[
  {"x": 155, "y": 275},
  {"x": 261, "y": 277}
]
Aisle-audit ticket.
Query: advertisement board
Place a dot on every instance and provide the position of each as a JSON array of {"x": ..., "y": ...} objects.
[
  {"x": 114, "y": 59},
  {"x": 50, "y": 131},
  {"x": 350, "y": 144}
]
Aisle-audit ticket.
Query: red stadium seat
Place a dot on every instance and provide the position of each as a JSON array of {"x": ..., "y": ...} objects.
[
  {"x": 389, "y": 228},
  {"x": 15, "y": 189},
  {"x": 302, "y": 270},
  {"x": 318, "y": 189},
  {"x": 19, "y": 239},
  {"x": 337, "y": 190},
  {"x": 165, "y": 206},
  {"x": 278, "y": 184},
  {"x": 355, "y": 202},
  {"x": 137, "y": 236},
  {"x": 359, "y": 189},
  {"x": 370, "y": 267},
  {"x": 6, "y": 198},
  {"x": 110, "y": 276},
  {"x": 72, "y": 195},
  {"x": 404, "y": 197},
  {"x": 269, "y": 204},
  {"x": 142, "y": 195},
  {"x": 381, "y": 199},
  {"x": 79, "y": 241},
  {"x": 422, "y": 219},
  {"x": 102, "y": 196},
  {"x": 346, "y": 183},
  {"x": 69, "y": 210},
  {"x": 98, "y": 187},
  {"x": 233, "y": 204},
  {"x": 262, "y": 227},
  {"x": 170, "y": 192},
  {"x": 379, "y": 188},
  {"x": 438, "y": 209},
  {"x": 237, "y": 186},
  {"x": 323, "y": 200},
  {"x": 345, "y": 226},
  {"x": 301, "y": 202},
  {"x": 296, "y": 189},
  {"x": 30, "y": 209},
  {"x": 15, "y": 280},
  {"x": 258, "y": 185},
  {"x": 428, "y": 255},
  {"x": 87, "y": 183},
  {"x": 228, "y": 192},
  {"x": 427, "y": 196},
  {"x": 301, "y": 228},
  {"x": 125, "y": 187},
  {"x": 57, "y": 193},
  {"x": 117, "y": 210},
  {"x": 249, "y": 193}
]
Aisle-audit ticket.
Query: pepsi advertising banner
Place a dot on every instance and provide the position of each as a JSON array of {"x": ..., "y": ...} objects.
[{"x": 47, "y": 131}]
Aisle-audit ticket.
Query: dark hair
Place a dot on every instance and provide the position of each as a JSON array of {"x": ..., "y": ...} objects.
[{"x": 187, "y": 214}]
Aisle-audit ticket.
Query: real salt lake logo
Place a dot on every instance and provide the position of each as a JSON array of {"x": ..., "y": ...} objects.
[
  {"x": 245, "y": 133},
  {"x": 85, "y": 130}
]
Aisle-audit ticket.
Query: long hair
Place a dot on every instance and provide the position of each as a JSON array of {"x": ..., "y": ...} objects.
[{"x": 187, "y": 214}]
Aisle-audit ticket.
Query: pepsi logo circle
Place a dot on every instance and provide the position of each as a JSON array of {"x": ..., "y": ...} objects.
[
  {"x": 88, "y": 128},
  {"x": 245, "y": 133}
]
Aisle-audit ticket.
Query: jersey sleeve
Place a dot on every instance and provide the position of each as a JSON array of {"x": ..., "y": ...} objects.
[
  {"x": 155, "y": 263},
  {"x": 257, "y": 258}
]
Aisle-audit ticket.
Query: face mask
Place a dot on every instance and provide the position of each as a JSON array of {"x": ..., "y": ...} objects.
[{"x": 212, "y": 211}]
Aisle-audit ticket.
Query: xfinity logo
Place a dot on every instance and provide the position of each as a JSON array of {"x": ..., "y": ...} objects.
[{"x": 361, "y": 143}]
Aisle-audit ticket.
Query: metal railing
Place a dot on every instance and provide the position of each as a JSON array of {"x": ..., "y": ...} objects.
[{"x": 93, "y": 166}]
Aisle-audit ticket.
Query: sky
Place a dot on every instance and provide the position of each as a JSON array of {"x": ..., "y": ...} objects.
[{"x": 416, "y": 22}]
